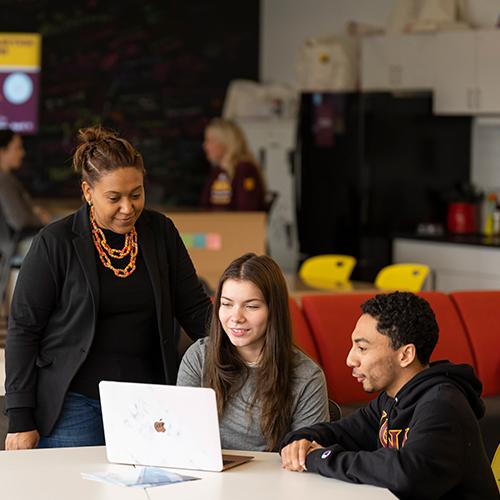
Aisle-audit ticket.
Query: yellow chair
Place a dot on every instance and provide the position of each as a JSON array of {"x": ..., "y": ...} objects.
[
  {"x": 495, "y": 465},
  {"x": 409, "y": 277},
  {"x": 327, "y": 271}
]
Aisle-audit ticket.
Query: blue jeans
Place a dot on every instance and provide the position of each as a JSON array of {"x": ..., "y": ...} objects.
[{"x": 80, "y": 424}]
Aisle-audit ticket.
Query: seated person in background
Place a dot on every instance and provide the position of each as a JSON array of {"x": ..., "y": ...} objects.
[
  {"x": 235, "y": 182},
  {"x": 265, "y": 387},
  {"x": 420, "y": 437},
  {"x": 15, "y": 202}
]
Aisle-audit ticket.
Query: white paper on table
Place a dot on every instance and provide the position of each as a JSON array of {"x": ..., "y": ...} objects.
[{"x": 139, "y": 477}]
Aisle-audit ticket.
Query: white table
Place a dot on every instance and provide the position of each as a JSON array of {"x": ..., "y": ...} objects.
[
  {"x": 263, "y": 478},
  {"x": 54, "y": 474}
]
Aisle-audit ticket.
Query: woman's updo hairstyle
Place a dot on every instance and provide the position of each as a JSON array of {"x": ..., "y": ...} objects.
[{"x": 101, "y": 151}]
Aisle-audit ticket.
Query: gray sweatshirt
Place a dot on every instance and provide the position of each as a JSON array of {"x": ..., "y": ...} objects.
[
  {"x": 240, "y": 425},
  {"x": 16, "y": 204}
]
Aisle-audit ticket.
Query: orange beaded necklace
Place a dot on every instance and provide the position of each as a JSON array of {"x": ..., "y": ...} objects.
[{"x": 105, "y": 251}]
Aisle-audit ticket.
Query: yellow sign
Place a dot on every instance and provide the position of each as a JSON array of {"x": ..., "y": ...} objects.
[{"x": 20, "y": 50}]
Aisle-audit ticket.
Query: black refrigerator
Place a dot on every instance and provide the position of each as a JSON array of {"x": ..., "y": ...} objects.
[{"x": 371, "y": 166}]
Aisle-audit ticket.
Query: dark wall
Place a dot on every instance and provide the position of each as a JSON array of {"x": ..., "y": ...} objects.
[
  {"x": 374, "y": 165},
  {"x": 411, "y": 160},
  {"x": 156, "y": 71}
]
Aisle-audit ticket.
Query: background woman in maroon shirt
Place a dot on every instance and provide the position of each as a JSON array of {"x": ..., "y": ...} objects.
[{"x": 235, "y": 182}]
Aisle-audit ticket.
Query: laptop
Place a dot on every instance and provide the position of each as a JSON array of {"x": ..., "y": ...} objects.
[{"x": 163, "y": 426}]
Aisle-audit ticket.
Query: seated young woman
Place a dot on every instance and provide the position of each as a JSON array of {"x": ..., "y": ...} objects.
[{"x": 265, "y": 386}]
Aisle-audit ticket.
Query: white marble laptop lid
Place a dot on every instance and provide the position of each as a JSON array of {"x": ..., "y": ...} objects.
[{"x": 161, "y": 425}]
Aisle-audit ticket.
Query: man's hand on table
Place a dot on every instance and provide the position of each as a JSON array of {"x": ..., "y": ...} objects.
[{"x": 293, "y": 456}]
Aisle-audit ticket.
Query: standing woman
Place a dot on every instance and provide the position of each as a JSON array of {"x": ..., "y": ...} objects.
[
  {"x": 96, "y": 299},
  {"x": 15, "y": 202},
  {"x": 265, "y": 387},
  {"x": 235, "y": 182}
]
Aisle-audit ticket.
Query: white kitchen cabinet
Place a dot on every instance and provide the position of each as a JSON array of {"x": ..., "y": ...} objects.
[
  {"x": 454, "y": 266},
  {"x": 488, "y": 71},
  {"x": 397, "y": 62},
  {"x": 455, "y": 73},
  {"x": 467, "y": 72}
]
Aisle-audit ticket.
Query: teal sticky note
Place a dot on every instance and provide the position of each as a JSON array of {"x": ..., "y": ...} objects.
[{"x": 199, "y": 240}]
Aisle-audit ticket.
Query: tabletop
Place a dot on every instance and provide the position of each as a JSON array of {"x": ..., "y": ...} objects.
[
  {"x": 298, "y": 287},
  {"x": 54, "y": 474}
]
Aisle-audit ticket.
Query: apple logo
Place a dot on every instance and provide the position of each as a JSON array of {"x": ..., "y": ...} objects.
[{"x": 159, "y": 426}]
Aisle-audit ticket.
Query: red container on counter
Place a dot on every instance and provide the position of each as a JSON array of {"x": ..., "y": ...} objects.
[{"x": 461, "y": 218}]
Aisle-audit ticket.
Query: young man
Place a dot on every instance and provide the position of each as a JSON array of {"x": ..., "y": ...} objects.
[{"x": 420, "y": 437}]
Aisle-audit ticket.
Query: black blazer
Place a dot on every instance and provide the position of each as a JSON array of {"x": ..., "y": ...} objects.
[{"x": 54, "y": 308}]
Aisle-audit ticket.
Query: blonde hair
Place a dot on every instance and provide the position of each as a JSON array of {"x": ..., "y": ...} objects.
[{"x": 233, "y": 139}]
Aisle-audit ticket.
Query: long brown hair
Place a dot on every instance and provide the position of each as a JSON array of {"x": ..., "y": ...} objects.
[{"x": 226, "y": 372}]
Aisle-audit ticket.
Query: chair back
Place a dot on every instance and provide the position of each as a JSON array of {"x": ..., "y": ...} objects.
[
  {"x": 408, "y": 277},
  {"x": 453, "y": 343},
  {"x": 334, "y": 410},
  {"x": 6, "y": 235},
  {"x": 327, "y": 271},
  {"x": 495, "y": 465},
  {"x": 332, "y": 319},
  {"x": 8, "y": 245},
  {"x": 479, "y": 313},
  {"x": 302, "y": 336}
]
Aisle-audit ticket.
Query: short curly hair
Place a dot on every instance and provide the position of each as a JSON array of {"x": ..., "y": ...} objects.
[{"x": 406, "y": 319}]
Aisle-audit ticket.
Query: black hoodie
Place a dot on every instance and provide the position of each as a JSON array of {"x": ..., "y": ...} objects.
[{"x": 422, "y": 444}]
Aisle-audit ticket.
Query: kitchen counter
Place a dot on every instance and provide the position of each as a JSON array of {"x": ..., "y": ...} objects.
[
  {"x": 457, "y": 262},
  {"x": 460, "y": 239}
]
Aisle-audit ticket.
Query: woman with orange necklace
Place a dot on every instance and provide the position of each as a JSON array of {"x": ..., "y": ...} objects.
[{"x": 96, "y": 300}]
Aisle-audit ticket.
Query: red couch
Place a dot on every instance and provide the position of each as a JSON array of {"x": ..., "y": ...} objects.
[{"x": 469, "y": 332}]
